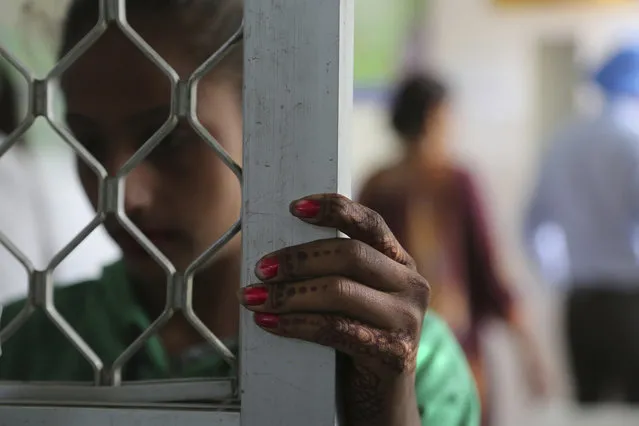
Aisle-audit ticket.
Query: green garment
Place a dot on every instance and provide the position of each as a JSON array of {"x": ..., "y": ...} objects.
[{"x": 107, "y": 316}]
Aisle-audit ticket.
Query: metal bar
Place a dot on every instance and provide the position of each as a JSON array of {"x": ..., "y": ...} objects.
[
  {"x": 208, "y": 254},
  {"x": 40, "y": 103},
  {"x": 17, "y": 64},
  {"x": 14, "y": 137},
  {"x": 78, "y": 149},
  {"x": 119, "y": 363},
  {"x": 72, "y": 336},
  {"x": 139, "y": 156},
  {"x": 84, "y": 416},
  {"x": 17, "y": 322},
  {"x": 74, "y": 243},
  {"x": 194, "y": 122},
  {"x": 187, "y": 297},
  {"x": 188, "y": 90},
  {"x": 134, "y": 392},
  {"x": 143, "y": 240},
  {"x": 297, "y": 105},
  {"x": 78, "y": 50},
  {"x": 16, "y": 252},
  {"x": 116, "y": 12},
  {"x": 193, "y": 82}
]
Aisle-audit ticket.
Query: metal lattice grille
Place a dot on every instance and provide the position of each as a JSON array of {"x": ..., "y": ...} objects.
[
  {"x": 111, "y": 202},
  {"x": 297, "y": 102}
]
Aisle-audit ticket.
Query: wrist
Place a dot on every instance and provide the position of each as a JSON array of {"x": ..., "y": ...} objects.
[{"x": 376, "y": 400}]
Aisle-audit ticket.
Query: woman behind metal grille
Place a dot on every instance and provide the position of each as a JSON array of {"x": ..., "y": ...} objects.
[{"x": 361, "y": 296}]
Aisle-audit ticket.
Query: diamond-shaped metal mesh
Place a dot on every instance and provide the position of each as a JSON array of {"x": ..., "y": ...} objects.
[{"x": 179, "y": 284}]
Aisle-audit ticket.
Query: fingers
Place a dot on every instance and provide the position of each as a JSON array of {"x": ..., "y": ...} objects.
[
  {"x": 344, "y": 257},
  {"x": 353, "y": 219},
  {"x": 361, "y": 296},
  {"x": 332, "y": 295},
  {"x": 395, "y": 350}
]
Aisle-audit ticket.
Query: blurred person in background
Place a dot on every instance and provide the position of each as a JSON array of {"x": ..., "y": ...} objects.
[
  {"x": 432, "y": 206},
  {"x": 587, "y": 193}
]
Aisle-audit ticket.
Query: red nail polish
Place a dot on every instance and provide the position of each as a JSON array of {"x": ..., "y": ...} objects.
[
  {"x": 307, "y": 208},
  {"x": 268, "y": 268},
  {"x": 255, "y": 296},
  {"x": 266, "y": 320}
]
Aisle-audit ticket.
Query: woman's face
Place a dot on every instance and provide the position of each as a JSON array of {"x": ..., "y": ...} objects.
[{"x": 181, "y": 195}]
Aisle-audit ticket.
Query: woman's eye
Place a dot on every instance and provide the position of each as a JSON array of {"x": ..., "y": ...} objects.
[
  {"x": 171, "y": 145},
  {"x": 173, "y": 141}
]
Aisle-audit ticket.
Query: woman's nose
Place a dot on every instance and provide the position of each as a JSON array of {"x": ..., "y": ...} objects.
[
  {"x": 138, "y": 191},
  {"x": 139, "y": 183}
]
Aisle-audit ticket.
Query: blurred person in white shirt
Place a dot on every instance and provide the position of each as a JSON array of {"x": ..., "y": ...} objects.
[{"x": 581, "y": 229}]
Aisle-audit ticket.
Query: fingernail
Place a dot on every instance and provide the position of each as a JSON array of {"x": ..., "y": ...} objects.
[
  {"x": 268, "y": 267},
  {"x": 254, "y": 296},
  {"x": 266, "y": 320},
  {"x": 306, "y": 208}
]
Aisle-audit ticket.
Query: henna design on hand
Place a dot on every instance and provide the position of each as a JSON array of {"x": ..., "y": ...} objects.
[
  {"x": 364, "y": 224},
  {"x": 394, "y": 350},
  {"x": 292, "y": 260},
  {"x": 364, "y": 398},
  {"x": 380, "y": 360}
]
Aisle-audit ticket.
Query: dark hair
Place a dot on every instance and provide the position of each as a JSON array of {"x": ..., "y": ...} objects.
[
  {"x": 414, "y": 102},
  {"x": 205, "y": 24}
]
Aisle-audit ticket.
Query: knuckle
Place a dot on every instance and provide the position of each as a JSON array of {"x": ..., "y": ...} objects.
[
  {"x": 346, "y": 212},
  {"x": 412, "y": 318},
  {"x": 279, "y": 296},
  {"x": 420, "y": 292},
  {"x": 340, "y": 205},
  {"x": 391, "y": 248},
  {"x": 356, "y": 251},
  {"x": 388, "y": 243},
  {"x": 376, "y": 220},
  {"x": 410, "y": 262},
  {"x": 385, "y": 241},
  {"x": 289, "y": 263},
  {"x": 373, "y": 222},
  {"x": 342, "y": 288},
  {"x": 339, "y": 198},
  {"x": 400, "y": 352}
]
